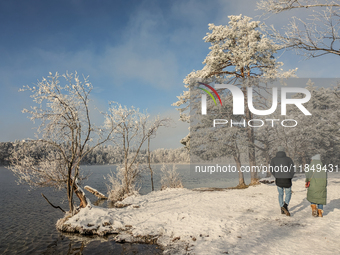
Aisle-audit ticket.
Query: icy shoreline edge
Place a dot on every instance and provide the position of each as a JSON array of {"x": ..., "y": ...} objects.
[{"x": 183, "y": 221}]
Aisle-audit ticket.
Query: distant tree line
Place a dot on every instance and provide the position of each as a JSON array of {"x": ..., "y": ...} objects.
[
  {"x": 5, "y": 148},
  {"x": 106, "y": 154}
]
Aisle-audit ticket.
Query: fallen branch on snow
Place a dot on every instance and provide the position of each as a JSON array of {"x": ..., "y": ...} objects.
[{"x": 95, "y": 192}]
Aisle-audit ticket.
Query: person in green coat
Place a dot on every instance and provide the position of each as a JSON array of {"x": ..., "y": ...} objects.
[{"x": 316, "y": 174}]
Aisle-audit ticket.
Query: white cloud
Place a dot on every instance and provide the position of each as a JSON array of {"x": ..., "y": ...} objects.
[{"x": 126, "y": 63}]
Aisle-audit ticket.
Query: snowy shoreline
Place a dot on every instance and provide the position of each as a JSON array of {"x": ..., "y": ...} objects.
[{"x": 233, "y": 221}]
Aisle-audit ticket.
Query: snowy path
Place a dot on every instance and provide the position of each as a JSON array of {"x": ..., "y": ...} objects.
[{"x": 227, "y": 222}]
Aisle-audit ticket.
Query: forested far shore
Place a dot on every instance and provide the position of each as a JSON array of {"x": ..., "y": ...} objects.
[{"x": 105, "y": 154}]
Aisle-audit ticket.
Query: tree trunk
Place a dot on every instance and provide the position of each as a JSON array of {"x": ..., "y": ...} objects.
[
  {"x": 268, "y": 174},
  {"x": 149, "y": 161},
  {"x": 251, "y": 139},
  {"x": 304, "y": 161},
  {"x": 241, "y": 182},
  {"x": 268, "y": 159},
  {"x": 69, "y": 191},
  {"x": 80, "y": 194}
]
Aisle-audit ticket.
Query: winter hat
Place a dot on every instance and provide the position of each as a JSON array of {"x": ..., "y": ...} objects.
[
  {"x": 316, "y": 157},
  {"x": 280, "y": 148}
]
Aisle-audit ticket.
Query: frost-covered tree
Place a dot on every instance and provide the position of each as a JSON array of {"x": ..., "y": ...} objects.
[
  {"x": 133, "y": 129},
  {"x": 149, "y": 154},
  {"x": 268, "y": 138},
  {"x": 318, "y": 133},
  {"x": 219, "y": 143},
  {"x": 5, "y": 148},
  {"x": 170, "y": 178},
  {"x": 161, "y": 155},
  {"x": 65, "y": 134},
  {"x": 239, "y": 54},
  {"x": 232, "y": 145},
  {"x": 315, "y": 35}
]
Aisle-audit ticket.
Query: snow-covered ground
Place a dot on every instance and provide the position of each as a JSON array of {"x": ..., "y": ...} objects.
[{"x": 244, "y": 221}]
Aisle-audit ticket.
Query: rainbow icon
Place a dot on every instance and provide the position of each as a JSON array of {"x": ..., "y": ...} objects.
[{"x": 209, "y": 93}]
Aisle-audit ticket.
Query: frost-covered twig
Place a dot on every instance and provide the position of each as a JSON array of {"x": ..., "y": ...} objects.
[{"x": 170, "y": 177}]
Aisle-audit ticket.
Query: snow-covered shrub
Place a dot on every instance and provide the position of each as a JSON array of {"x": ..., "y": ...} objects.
[
  {"x": 170, "y": 177},
  {"x": 123, "y": 183}
]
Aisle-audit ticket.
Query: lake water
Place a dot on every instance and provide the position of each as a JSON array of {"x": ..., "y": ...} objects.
[{"x": 27, "y": 221}]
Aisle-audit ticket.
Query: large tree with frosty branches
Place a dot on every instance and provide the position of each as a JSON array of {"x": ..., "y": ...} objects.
[
  {"x": 239, "y": 53},
  {"x": 66, "y": 134},
  {"x": 315, "y": 35}
]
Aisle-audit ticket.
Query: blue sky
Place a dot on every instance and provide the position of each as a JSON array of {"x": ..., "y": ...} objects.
[{"x": 135, "y": 52}]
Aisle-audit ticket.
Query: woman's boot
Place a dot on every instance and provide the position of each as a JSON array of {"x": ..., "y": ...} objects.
[
  {"x": 314, "y": 211},
  {"x": 320, "y": 212}
]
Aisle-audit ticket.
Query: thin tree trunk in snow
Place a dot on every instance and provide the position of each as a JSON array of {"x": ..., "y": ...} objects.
[
  {"x": 149, "y": 161},
  {"x": 241, "y": 182},
  {"x": 251, "y": 140}
]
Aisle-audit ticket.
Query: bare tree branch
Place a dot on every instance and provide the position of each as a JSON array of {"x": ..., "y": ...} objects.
[
  {"x": 314, "y": 36},
  {"x": 52, "y": 204}
]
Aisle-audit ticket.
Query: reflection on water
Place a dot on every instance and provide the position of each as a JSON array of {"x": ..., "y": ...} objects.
[
  {"x": 27, "y": 221},
  {"x": 27, "y": 224},
  {"x": 77, "y": 244}
]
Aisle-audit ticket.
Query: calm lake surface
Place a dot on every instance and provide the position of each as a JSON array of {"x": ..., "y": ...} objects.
[{"x": 27, "y": 221}]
